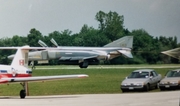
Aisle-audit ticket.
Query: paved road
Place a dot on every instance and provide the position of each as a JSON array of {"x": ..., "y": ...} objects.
[{"x": 170, "y": 98}]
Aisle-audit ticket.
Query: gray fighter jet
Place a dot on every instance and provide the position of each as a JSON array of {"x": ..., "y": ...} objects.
[{"x": 83, "y": 56}]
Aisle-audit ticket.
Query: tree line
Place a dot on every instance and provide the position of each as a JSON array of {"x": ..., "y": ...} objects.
[{"x": 146, "y": 48}]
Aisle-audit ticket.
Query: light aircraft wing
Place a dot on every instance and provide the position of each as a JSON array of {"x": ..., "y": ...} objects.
[
  {"x": 42, "y": 78},
  {"x": 30, "y": 48}
]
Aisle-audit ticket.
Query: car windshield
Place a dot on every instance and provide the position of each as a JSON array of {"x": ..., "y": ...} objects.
[
  {"x": 139, "y": 75},
  {"x": 173, "y": 74}
]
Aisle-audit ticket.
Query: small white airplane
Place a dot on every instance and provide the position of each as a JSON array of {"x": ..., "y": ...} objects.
[{"x": 18, "y": 71}]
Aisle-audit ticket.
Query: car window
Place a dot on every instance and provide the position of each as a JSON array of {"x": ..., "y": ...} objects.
[
  {"x": 139, "y": 75},
  {"x": 151, "y": 74},
  {"x": 154, "y": 73},
  {"x": 173, "y": 74}
]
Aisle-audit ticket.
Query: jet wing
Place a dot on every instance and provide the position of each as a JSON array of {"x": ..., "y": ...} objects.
[
  {"x": 90, "y": 57},
  {"x": 71, "y": 58},
  {"x": 42, "y": 78},
  {"x": 77, "y": 58}
]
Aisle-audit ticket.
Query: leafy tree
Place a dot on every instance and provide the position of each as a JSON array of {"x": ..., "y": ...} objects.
[
  {"x": 19, "y": 41},
  {"x": 33, "y": 37},
  {"x": 63, "y": 38},
  {"x": 143, "y": 45},
  {"x": 5, "y": 42},
  {"x": 89, "y": 36},
  {"x": 111, "y": 24}
]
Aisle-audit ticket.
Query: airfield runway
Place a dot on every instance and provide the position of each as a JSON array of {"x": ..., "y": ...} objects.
[
  {"x": 168, "y": 98},
  {"x": 107, "y": 66}
]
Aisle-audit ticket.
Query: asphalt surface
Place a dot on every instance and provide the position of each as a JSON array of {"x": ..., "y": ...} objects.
[{"x": 167, "y": 98}]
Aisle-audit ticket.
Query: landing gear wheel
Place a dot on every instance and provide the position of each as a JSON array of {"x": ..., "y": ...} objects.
[
  {"x": 83, "y": 64},
  {"x": 22, "y": 94},
  {"x": 24, "y": 91}
]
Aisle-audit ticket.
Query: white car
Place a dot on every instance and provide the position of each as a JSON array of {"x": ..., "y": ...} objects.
[
  {"x": 171, "y": 80},
  {"x": 142, "y": 79}
]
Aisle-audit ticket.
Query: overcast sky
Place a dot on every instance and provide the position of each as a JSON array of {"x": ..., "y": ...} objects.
[{"x": 157, "y": 17}]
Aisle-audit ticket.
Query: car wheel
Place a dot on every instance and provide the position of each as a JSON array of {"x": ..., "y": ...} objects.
[
  {"x": 146, "y": 87},
  {"x": 123, "y": 90},
  {"x": 162, "y": 89},
  {"x": 157, "y": 86}
]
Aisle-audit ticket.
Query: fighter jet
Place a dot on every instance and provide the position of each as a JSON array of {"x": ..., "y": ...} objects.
[{"x": 83, "y": 56}]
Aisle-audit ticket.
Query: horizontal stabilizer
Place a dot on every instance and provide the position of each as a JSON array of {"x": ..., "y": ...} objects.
[
  {"x": 126, "y": 53},
  {"x": 173, "y": 53}
]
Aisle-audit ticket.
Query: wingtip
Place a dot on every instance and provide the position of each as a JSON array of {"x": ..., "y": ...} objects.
[{"x": 83, "y": 76}]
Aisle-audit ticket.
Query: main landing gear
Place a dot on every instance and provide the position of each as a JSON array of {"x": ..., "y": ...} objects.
[
  {"x": 83, "y": 64},
  {"x": 24, "y": 91}
]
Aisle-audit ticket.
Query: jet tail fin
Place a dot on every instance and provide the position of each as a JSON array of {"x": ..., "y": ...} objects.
[
  {"x": 173, "y": 53},
  {"x": 126, "y": 41}
]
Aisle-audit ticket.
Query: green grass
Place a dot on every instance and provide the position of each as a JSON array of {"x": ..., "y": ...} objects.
[{"x": 100, "y": 81}]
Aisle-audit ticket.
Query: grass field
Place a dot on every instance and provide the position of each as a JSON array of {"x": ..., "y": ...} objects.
[{"x": 100, "y": 80}]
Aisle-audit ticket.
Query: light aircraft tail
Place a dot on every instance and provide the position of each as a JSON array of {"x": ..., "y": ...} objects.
[
  {"x": 21, "y": 57},
  {"x": 126, "y": 41}
]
